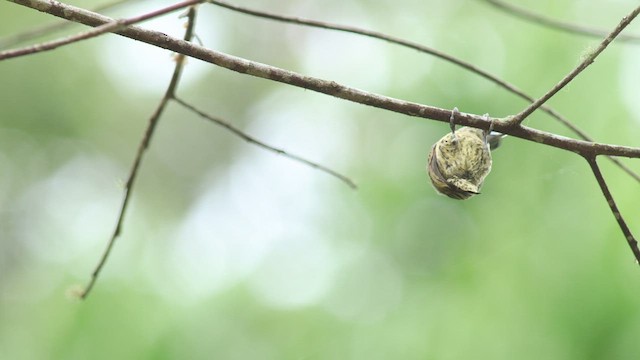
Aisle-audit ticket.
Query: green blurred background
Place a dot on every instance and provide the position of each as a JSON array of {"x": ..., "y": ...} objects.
[{"x": 232, "y": 252}]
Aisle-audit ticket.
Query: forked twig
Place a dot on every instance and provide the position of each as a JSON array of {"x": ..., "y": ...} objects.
[
  {"x": 257, "y": 142},
  {"x": 153, "y": 121},
  {"x": 424, "y": 49},
  {"x": 590, "y": 156},
  {"x": 556, "y": 24},
  {"x": 146, "y": 139},
  {"x": 633, "y": 244}
]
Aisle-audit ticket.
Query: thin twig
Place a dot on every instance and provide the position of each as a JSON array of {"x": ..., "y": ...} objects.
[
  {"x": 257, "y": 142},
  {"x": 559, "y": 25},
  {"x": 102, "y": 29},
  {"x": 427, "y": 50},
  {"x": 633, "y": 244},
  {"x": 144, "y": 144},
  {"x": 331, "y": 88},
  {"x": 583, "y": 65},
  {"x": 48, "y": 29}
]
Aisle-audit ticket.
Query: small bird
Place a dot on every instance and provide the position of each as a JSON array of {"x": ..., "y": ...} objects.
[{"x": 459, "y": 162}]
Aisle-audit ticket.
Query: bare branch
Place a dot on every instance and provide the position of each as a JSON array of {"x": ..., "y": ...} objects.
[
  {"x": 13, "y": 40},
  {"x": 144, "y": 144},
  {"x": 329, "y": 87},
  {"x": 424, "y": 49},
  {"x": 633, "y": 244},
  {"x": 257, "y": 142},
  {"x": 583, "y": 65},
  {"x": 556, "y": 24},
  {"x": 99, "y": 30}
]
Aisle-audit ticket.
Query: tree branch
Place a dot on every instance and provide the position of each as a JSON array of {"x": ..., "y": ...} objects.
[
  {"x": 427, "y": 50},
  {"x": 144, "y": 144},
  {"x": 511, "y": 126},
  {"x": 153, "y": 121},
  {"x": 328, "y": 87},
  {"x": 111, "y": 26},
  {"x": 263, "y": 145},
  {"x": 48, "y": 29},
  {"x": 583, "y": 65},
  {"x": 633, "y": 244},
  {"x": 349, "y": 29},
  {"x": 556, "y": 24}
]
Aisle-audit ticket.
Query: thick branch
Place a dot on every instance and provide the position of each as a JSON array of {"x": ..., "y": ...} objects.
[{"x": 327, "y": 87}]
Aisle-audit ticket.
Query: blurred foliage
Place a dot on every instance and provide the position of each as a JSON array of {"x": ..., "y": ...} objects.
[{"x": 230, "y": 252}]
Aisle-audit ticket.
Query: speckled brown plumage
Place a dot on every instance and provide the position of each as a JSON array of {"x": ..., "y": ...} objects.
[{"x": 458, "y": 164}]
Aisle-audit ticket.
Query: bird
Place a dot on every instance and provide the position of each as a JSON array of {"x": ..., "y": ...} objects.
[{"x": 460, "y": 161}]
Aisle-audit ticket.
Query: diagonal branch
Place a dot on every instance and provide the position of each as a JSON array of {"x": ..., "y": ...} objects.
[
  {"x": 263, "y": 145},
  {"x": 556, "y": 24},
  {"x": 633, "y": 244},
  {"x": 144, "y": 144},
  {"x": 583, "y": 65}
]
